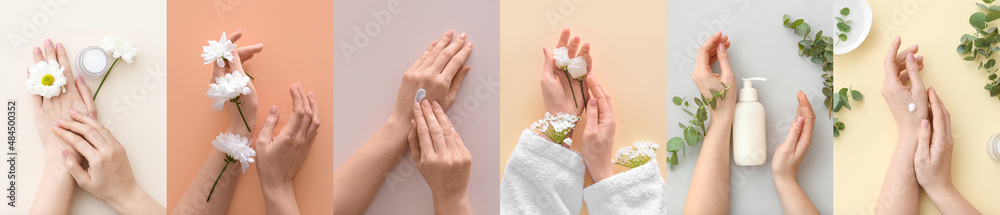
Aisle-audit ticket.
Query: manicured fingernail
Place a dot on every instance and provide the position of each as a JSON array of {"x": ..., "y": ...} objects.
[
  {"x": 909, "y": 57},
  {"x": 92, "y": 116},
  {"x": 48, "y": 42},
  {"x": 59, "y": 46},
  {"x": 274, "y": 110},
  {"x": 924, "y": 124},
  {"x": 470, "y": 45},
  {"x": 79, "y": 79},
  {"x": 65, "y": 153},
  {"x": 461, "y": 36},
  {"x": 71, "y": 111},
  {"x": 799, "y": 121},
  {"x": 592, "y": 102},
  {"x": 416, "y": 106},
  {"x": 55, "y": 127},
  {"x": 38, "y": 51},
  {"x": 566, "y": 28},
  {"x": 60, "y": 120},
  {"x": 450, "y": 33},
  {"x": 721, "y": 46},
  {"x": 425, "y": 104},
  {"x": 311, "y": 95}
]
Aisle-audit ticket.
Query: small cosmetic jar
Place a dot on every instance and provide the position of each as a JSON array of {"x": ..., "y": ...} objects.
[
  {"x": 93, "y": 62},
  {"x": 993, "y": 147}
]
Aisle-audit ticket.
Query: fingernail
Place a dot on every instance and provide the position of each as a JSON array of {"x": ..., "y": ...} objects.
[
  {"x": 425, "y": 104},
  {"x": 799, "y": 121},
  {"x": 71, "y": 111},
  {"x": 462, "y": 36},
  {"x": 721, "y": 46},
  {"x": 92, "y": 116},
  {"x": 38, "y": 51},
  {"x": 48, "y": 42},
  {"x": 924, "y": 124},
  {"x": 450, "y": 33},
  {"x": 592, "y": 102},
  {"x": 65, "y": 153},
  {"x": 274, "y": 110},
  {"x": 59, "y": 46},
  {"x": 54, "y": 127},
  {"x": 60, "y": 120},
  {"x": 470, "y": 45},
  {"x": 436, "y": 105},
  {"x": 311, "y": 95},
  {"x": 909, "y": 57},
  {"x": 416, "y": 106},
  {"x": 79, "y": 79}
]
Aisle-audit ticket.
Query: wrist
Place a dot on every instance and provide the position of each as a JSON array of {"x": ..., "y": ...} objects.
[
  {"x": 238, "y": 128},
  {"x": 939, "y": 189},
  {"x": 129, "y": 202},
  {"x": 601, "y": 173},
  {"x": 451, "y": 203},
  {"x": 781, "y": 182}
]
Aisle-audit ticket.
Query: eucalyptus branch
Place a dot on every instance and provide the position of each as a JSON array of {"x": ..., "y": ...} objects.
[
  {"x": 695, "y": 130},
  {"x": 983, "y": 42}
]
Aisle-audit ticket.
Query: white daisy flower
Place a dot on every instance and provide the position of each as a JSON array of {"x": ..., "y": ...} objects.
[
  {"x": 46, "y": 79},
  {"x": 120, "y": 48},
  {"x": 228, "y": 88},
  {"x": 218, "y": 51},
  {"x": 236, "y": 147}
]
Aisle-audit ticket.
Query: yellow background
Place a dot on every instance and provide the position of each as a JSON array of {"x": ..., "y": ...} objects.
[
  {"x": 863, "y": 150},
  {"x": 628, "y": 45}
]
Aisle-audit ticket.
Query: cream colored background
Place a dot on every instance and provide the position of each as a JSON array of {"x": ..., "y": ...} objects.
[
  {"x": 132, "y": 103},
  {"x": 628, "y": 42},
  {"x": 863, "y": 150}
]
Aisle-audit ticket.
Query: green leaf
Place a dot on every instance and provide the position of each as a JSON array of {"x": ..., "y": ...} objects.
[
  {"x": 806, "y": 43},
  {"x": 674, "y": 143},
  {"x": 837, "y": 102},
  {"x": 846, "y": 11},
  {"x": 969, "y": 58},
  {"x": 702, "y": 114},
  {"x": 962, "y": 49},
  {"x": 843, "y": 27},
  {"x": 836, "y": 133},
  {"x": 995, "y": 90},
  {"x": 673, "y": 158},
  {"x": 688, "y": 112},
  {"x": 978, "y": 20},
  {"x": 856, "y": 95},
  {"x": 842, "y": 36},
  {"x": 843, "y": 92},
  {"x": 817, "y": 60},
  {"x": 819, "y": 34},
  {"x": 682, "y": 125},
  {"x": 796, "y": 23},
  {"x": 845, "y": 102},
  {"x": 698, "y": 102},
  {"x": 993, "y": 15},
  {"x": 990, "y": 63},
  {"x": 786, "y": 18},
  {"x": 691, "y": 136},
  {"x": 678, "y": 100}
]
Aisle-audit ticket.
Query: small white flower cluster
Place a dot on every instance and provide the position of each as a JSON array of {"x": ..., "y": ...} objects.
[
  {"x": 577, "y": 67},
  {"x": 557, "y": 126},
  {"x": 236, "y": 147},
  {"x": 636, "y": 155}
]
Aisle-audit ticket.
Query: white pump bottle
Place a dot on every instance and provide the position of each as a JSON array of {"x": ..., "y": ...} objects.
[{"x": 749, "y": 133}]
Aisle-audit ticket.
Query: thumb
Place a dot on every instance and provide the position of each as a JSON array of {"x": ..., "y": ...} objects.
[
  {"x": 269, "y": 124},
  {"x": 924, "y": 140},
  {"x": 74, "y": 169},
  {"x": 548, "y": 68}
]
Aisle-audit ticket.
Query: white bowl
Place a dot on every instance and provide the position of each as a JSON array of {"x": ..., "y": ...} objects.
[{"x": 861, "y": 14}]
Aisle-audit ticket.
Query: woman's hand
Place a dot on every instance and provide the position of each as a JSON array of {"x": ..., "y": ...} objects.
[
  {"x": 439, "y": 71},
  {"x": 47, "y": 111},
  {"x": 441, "y": 157},
  {"x": 599, "y": 135},
  {"x": 932, "y": 162},
  {"x": 109, "y": 175},
  {"x": 715, "y": 50},
  {"x": 249, "y": 101},
  {"x": 788, "y": 156},
  {"x": 899, "y": 96},
  {"x": 558, "y": 90},
  {"x": 280, "y": 157}
]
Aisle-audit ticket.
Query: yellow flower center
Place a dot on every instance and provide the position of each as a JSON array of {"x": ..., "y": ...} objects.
[{"x": 48, "y": 80}]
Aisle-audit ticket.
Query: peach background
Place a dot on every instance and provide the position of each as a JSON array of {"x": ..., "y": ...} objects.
[
  {"x": 628, "y": 45},
  {"x": 863, "y": 150},
  {"x": 131, "y": 104},
  {"x": 297, "y": 42}
]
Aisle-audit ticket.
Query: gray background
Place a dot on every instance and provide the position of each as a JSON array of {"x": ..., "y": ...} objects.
[
  {"x": 761, "y": 46},
  {"x": 365, "y": 92}
]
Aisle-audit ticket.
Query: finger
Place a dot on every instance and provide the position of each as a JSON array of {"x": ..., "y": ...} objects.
[
  {"x": 710, "y": 43},
  {"x": 434, "y": 128},
  {"x": 247, "y": 52},
  {"x": 914, "y": 72},
  {"x": 548, "y": 67},
  {"x": 307, "y": 111},
  {"x": 904, "y": 78},
  {"x": 890, "y": 64},
  {"x": 585, "y": 52},
  {"x": 77, "y": 142},
  {"x": 269, "y": 124},
  {"x": 50, "y": 51},
  {"x": 93, "y": 123},
  {"x": 574, "y": 44},
  {"x": 237, "y": 63},
  {"x": 793, "y": 134},
  {"x": 37, "y": 54},
  {"x": 314, "y": 123},
  {"x": 457, "y": 82},
  {"x": 441, "y": 44},
  {"x": 446, "y": 127},
  {"x": 64, "y": 62},
  {"x": 291, "y": 126},
  {"x": 411, "y": 138},
  {"x": 88, "y": 133},
  {"x": 592, "y": 114},
  {"x": 461, "y": 145},
  {"x": 87, "y": 96},
  {"x": 937, "y": 114},
  {"x": 808, "y": 122},
  {"x": 727, "y": 71},
  {"x": 923, "y": 140},
  {"x": 236, "y": 35},
  {"x": 456, "y": 63},
  {"x": 901, "y": 56},
  {"x": 563, "y": 38},
  {"x": 423, "y": 134},
  {"x": 446, "y": 55},
  {"x": 420, "y": 60},
  {"x": 79, "y": 175}
]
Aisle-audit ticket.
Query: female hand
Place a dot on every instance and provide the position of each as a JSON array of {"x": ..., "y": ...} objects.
[
  {"x": 441, "y": 157},
  {"x": 280, "y": 157},
  {"x": 249, "y": 101},
  {"x": 932, "y": 162},
  {"x": 788, "y": 156},
  {"x": 899, "y": 96},
  {"x": 439, "y": 71},
  {"x": 109, "y": 175},
  {"x": 599, "y": 135},
  {"x": 558, "y": 90},
  {"x": 715, "y": 50},
  {"x": 77, "y": 98}
]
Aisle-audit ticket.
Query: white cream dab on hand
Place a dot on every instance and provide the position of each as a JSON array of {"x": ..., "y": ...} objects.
[
  {"x": 913, "y": 107},
  {"x": 421, "y": 93}
]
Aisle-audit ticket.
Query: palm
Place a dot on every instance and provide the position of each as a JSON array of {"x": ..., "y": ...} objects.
[{"x": 561, "y": 92}]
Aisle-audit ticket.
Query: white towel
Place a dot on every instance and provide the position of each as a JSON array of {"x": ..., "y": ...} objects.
[
  {"x": 542, "y": 177},
  {"x": 637, "y": 191}
]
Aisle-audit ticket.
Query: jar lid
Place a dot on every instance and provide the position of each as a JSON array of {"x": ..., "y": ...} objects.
[
  {"x": 92, "y": 61},
  {"x": 993, "y": 147}
]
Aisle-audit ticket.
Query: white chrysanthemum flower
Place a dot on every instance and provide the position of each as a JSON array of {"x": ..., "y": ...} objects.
[
  {"x": 577, "y": 68},
  {"x": 237, "y": 147},
  {"x": 120, "y": 48},
  {"x": 218, "y": 51},
  {"x": 46, "y": 79},
  {"x": 227, "y": 88},
  {"x": 561, "y": 56}
]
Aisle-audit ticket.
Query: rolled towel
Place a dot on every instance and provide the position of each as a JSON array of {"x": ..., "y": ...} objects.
[
  {"x": 637, "y": 191},
  {"x": 542, "y": 177}
]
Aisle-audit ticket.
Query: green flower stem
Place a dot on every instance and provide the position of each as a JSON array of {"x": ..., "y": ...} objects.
[
  {"x": 105, "y": 78},
  {"x": 570, "y": 82},
  {"x": 217, "y": 178},
  {"x": 241, "y": 113},
  {"x": 581, "y": 93}
]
